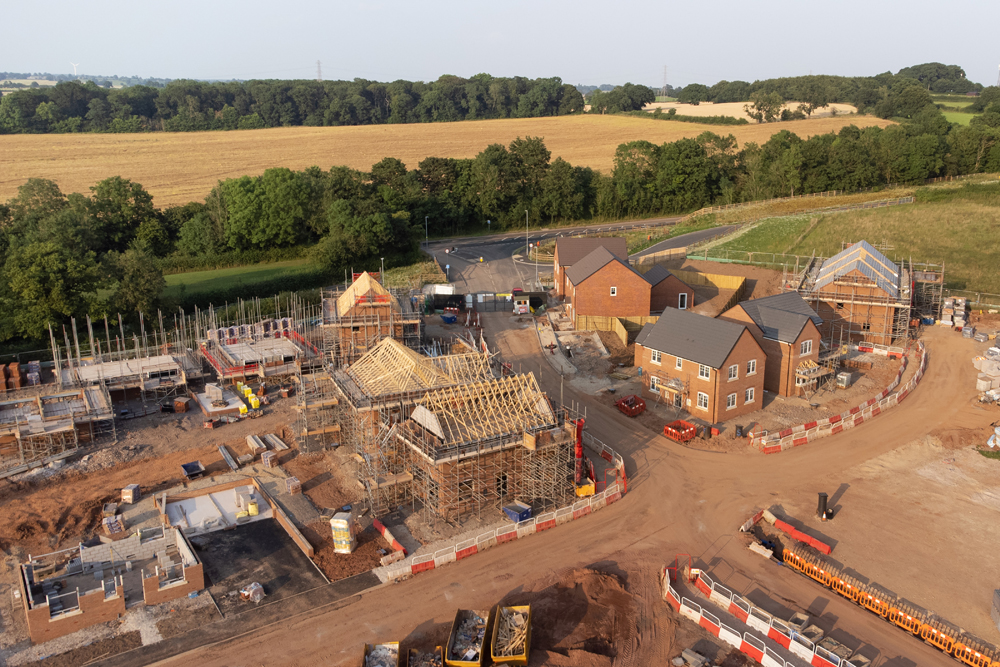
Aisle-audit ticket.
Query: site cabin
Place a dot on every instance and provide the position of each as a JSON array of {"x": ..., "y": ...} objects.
[
  {"x": 787, "y": 329},
  {"x": 713, "y": 369},
  {"x": 604, "y": 285},
  {"x": 569, "y": 251},
  {"x": 667, "y": 290}
]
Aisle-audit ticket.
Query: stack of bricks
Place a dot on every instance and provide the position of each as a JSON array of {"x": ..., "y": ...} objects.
[
  {"x": 293, "y": 486},
  {"x": 269, "y": 459},
  {"x": 4, "y": 374},
  {"x": 130, "y": 494},
  {"x": 15, "y": 380},
  {"x": 34, "y": 373}
]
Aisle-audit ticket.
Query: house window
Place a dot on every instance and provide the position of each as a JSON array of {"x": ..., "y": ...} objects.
[
  {"x": 866, "y": 326},
  {"x": 614, "y": 291},
  {"x": 806, "y": 347},
  {"x": 677, "y": 400},
  {"x": 655, "y": 356},
  {"x": 800, "y": 381},
  {"x": 654, "y": 384},
  {"x": 703, "y": 371},
  {"x": 752, "y": 367},
  {"x": 734, "y": 372},
  {"x": 682, "y": 301},
  {"x": 679, "y": 363},
  {"x": 730, "y": 401},
  {"x": 748, "y": 395},
  {"x": 702, "y": 400}
]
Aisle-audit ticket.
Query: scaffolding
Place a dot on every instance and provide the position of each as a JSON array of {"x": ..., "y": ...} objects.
[
  {"x": 357, "y": 316},
  {"x": 35, "y": 431},
  {"x": 320, "y": 412},
  {"x": 860, "y": 295}
]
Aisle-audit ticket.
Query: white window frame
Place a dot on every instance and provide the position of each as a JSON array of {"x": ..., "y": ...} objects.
[
  {"x": 805, "y": 348},
  {"x": 704, "y": 372},
  {"x": 734, "y": 372},
  {"x": 614, "y": 291},
  {"x": 654, "y": 384},
  {"x": 655, "y": 356},
  {"x": 749, "y": 395},
  {"x": 699, "y": 403},
  {"x": 682, "y": 301},
  {"x": 752, "y": 367},
  {"x": 679, "y": 364},
  {"x": 731, "y": 401}
]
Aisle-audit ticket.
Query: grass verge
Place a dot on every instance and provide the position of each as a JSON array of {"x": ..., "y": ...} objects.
[{"x": 954, "y": 224}]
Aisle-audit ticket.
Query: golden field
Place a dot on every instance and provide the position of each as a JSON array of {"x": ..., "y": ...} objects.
[{"x": 180, "y": 167}]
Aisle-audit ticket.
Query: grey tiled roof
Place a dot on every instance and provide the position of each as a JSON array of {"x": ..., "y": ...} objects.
[
  {"x": 870, "y": 262},
  {"x": 681, "y": 333},
  {"x": 572, "y": 250},
  {"x": 593, "y": 263},
  {"x": 781, "y": 316},
  {"x": 656, "y": 275}
]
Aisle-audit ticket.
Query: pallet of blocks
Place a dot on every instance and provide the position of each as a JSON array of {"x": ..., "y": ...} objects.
[
  {"x": 269, "y": 459},
  {"x": 417, "y": 658},
  {"x": 293, "y": 486},
  {"x": 469, "y": 633},
  {"x": 381, "y": 655},
  {"x": 511, "y": 636},
  {"x": 342, "y": 525}
]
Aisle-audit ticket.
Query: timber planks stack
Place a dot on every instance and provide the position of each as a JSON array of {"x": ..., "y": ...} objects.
[
  {"x": 230, "y": 461},
  {"x": 512, "y": 636},
  {"x": 275, "y": 442}
]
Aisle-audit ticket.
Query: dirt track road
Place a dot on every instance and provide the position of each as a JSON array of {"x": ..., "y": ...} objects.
[{"x": 680, "y": 501}]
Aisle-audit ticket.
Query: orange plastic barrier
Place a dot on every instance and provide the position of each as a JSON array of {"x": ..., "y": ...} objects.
[
  {"x": 845, "y": 589},
  {"x": 904, "y": 620},
  {"x": 937, "y": 638},
  {"x": 875, "y": 603},
  {"x": 971, "y": 656}
]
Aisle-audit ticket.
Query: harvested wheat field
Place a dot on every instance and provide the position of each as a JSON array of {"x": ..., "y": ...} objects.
[
  {"x": 735, "y": 109},
  {"x": 180, "y": 167}
]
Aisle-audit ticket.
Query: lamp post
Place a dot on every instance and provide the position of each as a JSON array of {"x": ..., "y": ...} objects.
[
  {"x": 526, "y": 243},
  {"x": 427, "y": 241},
  {"x": 381, "y": 274},
  {"x": 488, "y": 228}
]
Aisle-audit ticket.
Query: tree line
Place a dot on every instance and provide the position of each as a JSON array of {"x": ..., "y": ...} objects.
[
  {"x": 186, "y": 105},
  {"x": 106, "y": 251}
]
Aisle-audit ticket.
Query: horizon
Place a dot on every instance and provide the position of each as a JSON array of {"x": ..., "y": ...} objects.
[{"x": 386, "y": 41}]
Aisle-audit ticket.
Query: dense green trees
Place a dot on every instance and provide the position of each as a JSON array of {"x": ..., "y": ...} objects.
[
  {"x": 70, "y": 255},
  {"x": 185, "y": 105}
]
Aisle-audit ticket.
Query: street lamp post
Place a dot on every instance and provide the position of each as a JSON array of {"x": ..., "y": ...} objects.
[
  {"x": 527, "y": 245},
  {"x": 427, "y": 241},
  {"x": 381, "y": 274}
]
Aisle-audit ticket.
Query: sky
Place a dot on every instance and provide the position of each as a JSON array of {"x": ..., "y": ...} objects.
[{"x": 582, "y": 41}]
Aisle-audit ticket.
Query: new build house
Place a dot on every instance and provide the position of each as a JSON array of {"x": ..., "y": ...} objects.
[
  {"x": 713, "y": 369},
  {"x": 667, "y": 290},
  {"x": 569, "y": 251},
  {"x": 605, "y": 285},
  {"x": 787, "y": 329}
]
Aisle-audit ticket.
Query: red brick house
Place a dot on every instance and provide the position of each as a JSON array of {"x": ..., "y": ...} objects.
[
  {"x": 667, "y": 290},
  {"x": 713, "y": 369},
  {"x": 605, "y": 285},
  {"x": 569, "y": 251},
  {"x": 788, "y": 331}
]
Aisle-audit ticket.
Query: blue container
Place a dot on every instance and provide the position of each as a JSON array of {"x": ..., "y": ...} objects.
[
  {"x": 517, "y": 512},
  {"x": 927, "y": 320},
  {"x": 448, "y": 319}
]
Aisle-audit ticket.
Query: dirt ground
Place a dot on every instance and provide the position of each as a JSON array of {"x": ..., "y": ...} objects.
[{"x": 93, "y": 652}]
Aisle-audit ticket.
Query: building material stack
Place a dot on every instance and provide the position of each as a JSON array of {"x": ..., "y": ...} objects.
[
  {"x": 269, "y": 459},
  {"x": 131, "y": 494},
  {"x": 34, "y": 373},
  {"x": 293, "y": 486},
  {"x": 15, "y": 380},
  {"x": 344, "y": 541},
  {"x": 960, "y": 316}
]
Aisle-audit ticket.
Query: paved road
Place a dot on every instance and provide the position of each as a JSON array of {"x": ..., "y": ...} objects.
[
  {"x": 680, "y": 500},
  {"x": 500, "y": 271}
]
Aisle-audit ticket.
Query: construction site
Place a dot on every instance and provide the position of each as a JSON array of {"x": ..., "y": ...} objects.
[{"x": 409, "y": 444}]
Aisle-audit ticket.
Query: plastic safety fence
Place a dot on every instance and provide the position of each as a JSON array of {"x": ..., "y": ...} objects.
[
  {"x": 934, "y": 631},
  {"x": 750, "y": 631},
  {"x": 795, "y": 436},
  {"x": 541, "y": 523},
  {"x": 765, "y": 637}
]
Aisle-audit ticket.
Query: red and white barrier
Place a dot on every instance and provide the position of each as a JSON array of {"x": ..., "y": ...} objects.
[
  {"x": 772, "y": 443},
  {"x": 524, "y": 529},
  {"x": 384, "y": 532}
]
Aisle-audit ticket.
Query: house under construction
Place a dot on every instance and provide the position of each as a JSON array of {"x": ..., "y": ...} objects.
[
  {"x": 40, "y": 429},
  {"x": 861, "y": 295},
  {"x": 266, "y": 348},
  {"x": 357, "y": 317}
]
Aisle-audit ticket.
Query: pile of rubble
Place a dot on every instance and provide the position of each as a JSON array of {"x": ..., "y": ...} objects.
[
  {"x": 383, "y": 655},
  {"x": 469, "y": 638}
]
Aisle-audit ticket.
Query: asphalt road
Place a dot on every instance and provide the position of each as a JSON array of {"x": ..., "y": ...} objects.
[{"x": 500, "y": 271}]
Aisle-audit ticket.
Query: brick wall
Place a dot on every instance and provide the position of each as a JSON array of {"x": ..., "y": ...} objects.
[
  {"x": 194, "y": 580},
  {"x": 717, "y": 386},
  {"x": 593, "y": 295},
  {"x": 93, "y": 609},
  {"x": 665, "y": 294},
  {"x": 130, "y": 548}
]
